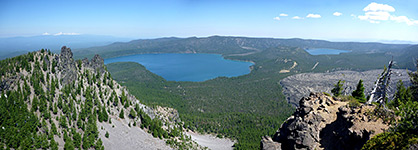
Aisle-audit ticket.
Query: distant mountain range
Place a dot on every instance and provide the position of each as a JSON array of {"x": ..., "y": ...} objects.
[
  {"x": 13, "y": 46},
  {"x": 109, "y": 46},
  {"x": 228, "y": 45},
  {"x": 404, "y": 54}
]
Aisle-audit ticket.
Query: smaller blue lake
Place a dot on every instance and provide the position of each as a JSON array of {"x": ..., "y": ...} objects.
[
  {"x": 325, "y": 51},
  {"x": 187, "y": 67}
]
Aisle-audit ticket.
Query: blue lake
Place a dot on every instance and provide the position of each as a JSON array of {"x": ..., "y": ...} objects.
[
  {"x": 325, "y": 51},
  {"x": 187, "y": 67}
]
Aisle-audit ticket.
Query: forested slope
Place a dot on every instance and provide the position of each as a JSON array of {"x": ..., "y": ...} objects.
[{"x": 51, "y": 101}]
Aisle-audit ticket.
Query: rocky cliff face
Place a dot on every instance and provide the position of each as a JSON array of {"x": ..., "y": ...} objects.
[
  {"x": 66, "y": 65},
  {"x": 322, "y": 122}
]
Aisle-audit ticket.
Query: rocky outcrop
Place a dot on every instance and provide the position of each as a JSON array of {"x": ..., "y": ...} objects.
[
  {"x": 322, "y": 122},
  {"x": 96, "y": 63},
  {"x": 5, "y": 84},
  {"x": 67, "y": 66},
  {"x": 268, "y": 144},
  {"x": 300, "y": 85}
]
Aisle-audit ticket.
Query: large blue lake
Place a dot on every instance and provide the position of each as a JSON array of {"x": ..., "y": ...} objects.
[
  {"x": 325, "y": 51},
  {"x": 187, "y": 67}
]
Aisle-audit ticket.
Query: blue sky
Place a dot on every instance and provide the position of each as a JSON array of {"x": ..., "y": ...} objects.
[{"x": 355, "y": 20}]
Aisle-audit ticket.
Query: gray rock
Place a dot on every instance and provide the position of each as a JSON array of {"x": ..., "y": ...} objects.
[
  {"x": 299, "y": 85},
  {"x": 324, "y": 123},
  {"x": 67, "y": 66},
  {"x": 268, "y": 144},
  {"x": 46, "y": 59},
  {"x": 5, "y": 84},
  {"x": 96, "y": 64},
  {"x": 85, "y": 62}
]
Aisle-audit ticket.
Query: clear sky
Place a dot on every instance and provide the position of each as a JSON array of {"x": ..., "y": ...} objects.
[{"x": 335, "y": 20}]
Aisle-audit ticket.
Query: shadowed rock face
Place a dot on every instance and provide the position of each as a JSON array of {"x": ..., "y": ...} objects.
[
  {"x": 97, "y": 62},
  {"x": 322, "y": 122},
  {"x": 67, "y": 66},
  {"x": 300, "y": 85}
]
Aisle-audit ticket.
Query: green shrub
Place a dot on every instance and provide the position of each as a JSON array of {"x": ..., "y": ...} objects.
[
  {"x": 346, "y": 98},
  {"x": 107, "y": 134},
  {"x": 354, "y": 103},
  {"x": 387, "y": 141},
  {"x": 338, "y": 88}
]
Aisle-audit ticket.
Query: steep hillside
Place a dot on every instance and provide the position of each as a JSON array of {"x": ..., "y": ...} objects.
[{"x": 52, "y": 101}]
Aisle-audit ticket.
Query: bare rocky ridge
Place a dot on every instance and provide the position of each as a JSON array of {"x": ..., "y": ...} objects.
[
  {"x": 322, "y": 122},
  {"x": 300, "y": 85}
]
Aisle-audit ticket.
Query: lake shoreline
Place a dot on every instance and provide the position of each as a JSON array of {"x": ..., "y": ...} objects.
[{"x": 193, "y": 67}]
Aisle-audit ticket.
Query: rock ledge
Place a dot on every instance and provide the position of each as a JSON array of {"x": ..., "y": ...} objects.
[{"x": 322, "y": 122}]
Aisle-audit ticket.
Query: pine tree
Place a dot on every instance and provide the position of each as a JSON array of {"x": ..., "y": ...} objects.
[
  {"x": 401, "y": 96},
  {"x": 69, "y": 145},
  {"x": 76, "y": 139},
  {"x": 105, "y": 115},
  {"x": 121, "y": 115},
  {"x": 132, "y": 114},
  {"x": 107, "y": 134},
  {"x": 53, "y": 144},
  {"x": 359, "y": 92},
  {"x": 414, "y": 87},
  {"x": 338, "y": 88}
]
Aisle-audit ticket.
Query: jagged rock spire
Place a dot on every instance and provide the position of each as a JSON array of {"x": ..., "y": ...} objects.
[
  {"x": 67, "y": 65},
  {"x": 97, "y": 63},
  {"x": 66, "y": 52}
]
